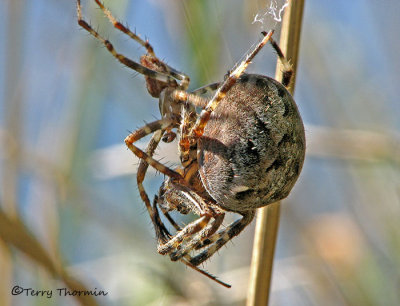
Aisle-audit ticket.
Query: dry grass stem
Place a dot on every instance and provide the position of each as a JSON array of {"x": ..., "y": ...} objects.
[{"x": 268, "y": 217}]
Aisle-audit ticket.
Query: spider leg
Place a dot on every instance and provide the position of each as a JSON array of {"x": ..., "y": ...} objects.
[
  {"x": 186, "y": 233},
  {"x": 188, "y": 145},
  {"x": 161, "y": 124},
  {"x": 160, "y": 229},
  {"x": 145, "y": 43},
  {"x": 162, "y": 232},
  {"x": 187, "y": 149},
  {"x": 165, "y": 213},
  {"x": 214, "y": 278},
  {"x": 172, "y": 221},
  {"x": 206, "y": 89},
  {"x": 198, "y": 129},
  {"x": 185, "y": 97},
  {"x": 205, "y": 273},
  {"x": 174, "y": 196},
  {"x": 287, "y": 68},
  {"x": 221, "y": 238},
  {"x": 125, "y": 29},
  {"x": 196, "y": 242},
  {"x": 159, "y": 76}
]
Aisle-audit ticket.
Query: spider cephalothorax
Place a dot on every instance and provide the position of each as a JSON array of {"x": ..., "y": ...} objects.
[{"x": 244, "y": 150}]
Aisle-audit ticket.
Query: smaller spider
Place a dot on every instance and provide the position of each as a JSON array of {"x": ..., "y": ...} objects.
[{"x": 243, "y": 151}]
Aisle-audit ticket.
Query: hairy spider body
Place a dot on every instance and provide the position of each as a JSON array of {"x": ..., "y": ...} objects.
[
  {"x": 252, "y": 149},
  {"x": 243, "y": 151},
  {"x": 250, "y": 155}
]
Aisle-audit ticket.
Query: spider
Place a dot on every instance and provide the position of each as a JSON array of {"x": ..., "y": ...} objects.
[{"x": 244, "y": 150}]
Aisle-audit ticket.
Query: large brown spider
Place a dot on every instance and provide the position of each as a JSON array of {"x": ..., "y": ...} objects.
[{"x": 243, "y": 151}]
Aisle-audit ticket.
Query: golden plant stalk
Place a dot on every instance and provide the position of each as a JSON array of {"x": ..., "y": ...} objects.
[
  {"x": 13, "y": 232},
  {"x": 268, "y": 217}
]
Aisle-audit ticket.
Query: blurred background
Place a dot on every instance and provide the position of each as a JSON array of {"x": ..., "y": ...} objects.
[{"x": 71, "y": 215}]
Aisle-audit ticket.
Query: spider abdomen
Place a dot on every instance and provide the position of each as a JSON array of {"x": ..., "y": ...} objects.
[{"x": 253, "y": 147}]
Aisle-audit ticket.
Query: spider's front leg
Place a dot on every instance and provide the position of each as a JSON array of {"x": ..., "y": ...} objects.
[
  {"x": 201, "y": 232},
  {"x": 146, "y": 158},
  {"x": 161, "y": 231},
  {"x": 149, "y": 128},
  {"x": 199, "y": 240},
  {"x": 174, "y": 196},
  {"x": 177, "y": 197},
  {"x": 220, "y": 238},
  {"x": 160, "y": 73},
  {"x": 198, "y": 128}
]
